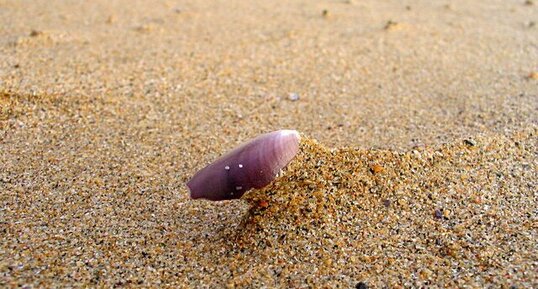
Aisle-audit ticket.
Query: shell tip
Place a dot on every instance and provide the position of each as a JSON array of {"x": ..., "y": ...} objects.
[
  {"x": 192, "y": 194},
  {"x": 287, "y": 132}
]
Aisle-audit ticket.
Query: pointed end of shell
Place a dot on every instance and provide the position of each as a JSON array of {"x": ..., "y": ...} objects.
[
  {"x": 290, "y": 132},
  {"x": 192, "y": 193}
]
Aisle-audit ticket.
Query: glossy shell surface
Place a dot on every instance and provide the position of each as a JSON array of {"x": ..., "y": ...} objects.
[{"x": 253, "y": 164}]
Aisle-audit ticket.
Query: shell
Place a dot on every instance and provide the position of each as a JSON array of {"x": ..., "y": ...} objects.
[{"x": 253, "y": 164}]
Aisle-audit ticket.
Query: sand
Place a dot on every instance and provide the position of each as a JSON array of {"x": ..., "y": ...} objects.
[{"x": 418, "y": 165}]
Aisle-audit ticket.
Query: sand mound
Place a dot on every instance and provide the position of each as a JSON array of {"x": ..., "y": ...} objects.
[{"x": 449, "y": 214}]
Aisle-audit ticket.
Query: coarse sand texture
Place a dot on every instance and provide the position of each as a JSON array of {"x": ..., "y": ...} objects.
[{"x": 416, "y": 165}]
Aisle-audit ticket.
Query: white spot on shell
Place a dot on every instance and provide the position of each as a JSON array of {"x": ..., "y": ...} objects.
[
  {"x": 239, "y": 188},
  {"x": 227, "y": 168},
  {"x": 240, "y": 166}
]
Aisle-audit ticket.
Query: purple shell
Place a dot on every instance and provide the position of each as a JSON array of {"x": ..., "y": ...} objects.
[{"x": 251, "y": 165}]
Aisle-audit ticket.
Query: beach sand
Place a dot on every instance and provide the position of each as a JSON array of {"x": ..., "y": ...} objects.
[{"x": 417, "y": 167}]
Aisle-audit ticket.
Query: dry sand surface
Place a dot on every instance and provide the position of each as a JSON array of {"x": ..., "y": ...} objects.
[{"x": 418, "y": 165}]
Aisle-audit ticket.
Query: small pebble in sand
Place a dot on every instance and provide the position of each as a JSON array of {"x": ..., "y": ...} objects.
[
  {"x": 529, "y": 2},
  {"x": 391, "y": 25},
  {"x": 469, "y": 142},
  {"x": 476, "y": 200},
  {"x": 533, "y": 75},
  {"x": 293, "y": 96},
  {"x": 325, "y": 13},
  {"x": 35, "y": 33},
  {"x": 438, "y": 214},
  {"x": 145, "y": 28},
  {"x": 376, "y": 169},
  {"x": 263, "y": 204},
  {"x": 361, "y": 285}
]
